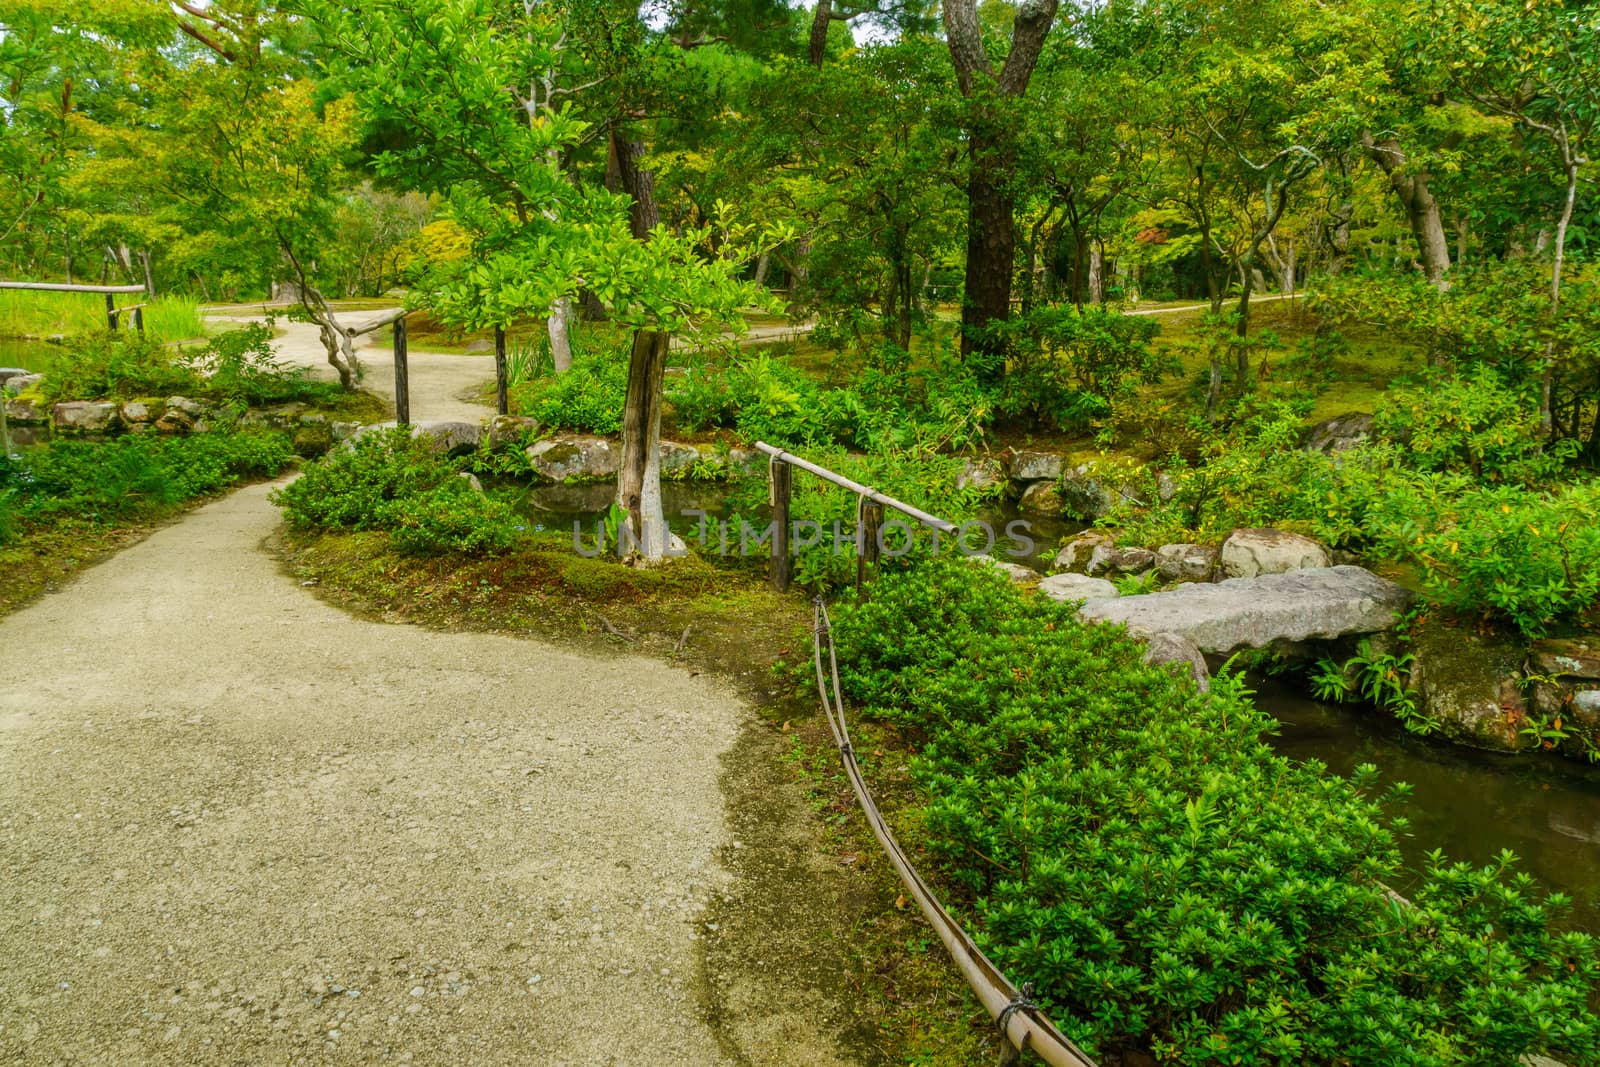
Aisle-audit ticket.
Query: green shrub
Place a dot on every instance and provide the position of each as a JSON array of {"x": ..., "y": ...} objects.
[
  {"x": 1137, "y": 852},
  {"x": 393, "y": 481},
  {"x": 587, "y": 398},
  {"x": 1532, "y": 557},
  {"x": 1474, "y": 423},
  {"x": 117, "y": 366},
  {"x": 1068, "y": 367},
  {"x": 138, "y": 475},
  {"x": 239, "y": 365}
]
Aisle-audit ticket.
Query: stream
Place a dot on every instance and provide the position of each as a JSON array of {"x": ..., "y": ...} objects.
[
  {"x": 1472, "y": 804},
  {"x": 29, "y": 355}
]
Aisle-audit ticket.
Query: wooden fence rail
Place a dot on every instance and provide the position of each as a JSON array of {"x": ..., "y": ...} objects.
[{"x": 109, "y": 291}]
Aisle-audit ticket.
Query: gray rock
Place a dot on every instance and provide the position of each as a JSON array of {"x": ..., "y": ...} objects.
[
  {"x": 1166, "y": 486},
  {"x": 138, "y": 411},
  {"x": 192, "y": 408},
  {"x": 1186, "y": 563},
  {"x": 1587, "y": 701},
  {"x": 1083, "y": 497},
  {"x": 1249, "y": 553},
  {"x": 1078, "y": 551},
  {"x": 561, "y": 458},
  {"x": 1467, "y": 682},
  {"x": 1340, "y": 433},
  {"x": 1577, "y": 657},
  {"x": 510, "y": 431},
  {"x": 25, "y": 411},
  {"x": 1108, "y": 559},
  {"x": 983, "y": 473},
  {"x": 1175, "y": 648},
  {"x": 85, "y": 416},
  {"x": 1036, "y": 466},
  {"x": 8, "y": 373},
  {"x": 479, "y": 347},
  {"x": 1041, "y": 498},
  {"x": 343, "y": 431},
  {"x": 1065, "y": 587},
  {"x": 676, "y": 458},
  {"x": 472, "y": 481},
  {"x": 1256, "y": 612},
  {"x": 444, "y": 437},
  {"x": 174, "y": 421},
  {"x": 1016, "y": 572},
  {"x": 20, "y": 383}
]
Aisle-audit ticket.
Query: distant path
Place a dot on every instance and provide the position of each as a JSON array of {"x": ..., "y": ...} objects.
[
  {"x": 238, "y": 826},
  {"x": 440, "y": 384},
  {"x": 1207, "y": 307}
]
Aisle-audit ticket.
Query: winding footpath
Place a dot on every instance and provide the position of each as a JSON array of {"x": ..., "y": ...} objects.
[{"x": 238, "y": 825}]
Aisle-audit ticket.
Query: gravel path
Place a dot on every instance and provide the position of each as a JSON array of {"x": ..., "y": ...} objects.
[{"x": 240, "y": 826}]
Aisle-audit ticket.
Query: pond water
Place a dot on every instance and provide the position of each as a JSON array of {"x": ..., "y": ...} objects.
[
  {"x": 1472, "y": 804},
  {"x": 29, "y": 355}
]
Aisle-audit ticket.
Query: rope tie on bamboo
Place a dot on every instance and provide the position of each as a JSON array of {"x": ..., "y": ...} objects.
[{"x": 1023, "y": 1002}]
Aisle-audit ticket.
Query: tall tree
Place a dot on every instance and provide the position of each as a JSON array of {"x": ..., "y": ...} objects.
[{"x": 994, "y": 120}]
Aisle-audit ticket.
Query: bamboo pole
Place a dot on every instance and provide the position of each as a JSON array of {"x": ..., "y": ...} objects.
[
  {"x": 502, "y": 403},
  {"x": 402, "y": 384}
]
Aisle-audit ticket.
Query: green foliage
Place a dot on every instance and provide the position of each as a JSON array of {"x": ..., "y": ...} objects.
[
  {"x": 1136, "y": 851},
  {"x": 892, "y": 404},
  {"x": 116, "y": 366},
  {"x": 1068, "y": 367},
  {"x": 1530, "y": 556},
  {"x": 239, "y": 365},
  {"x": 1473, "y": 422},
  {"x": 587, "y": 398},
  {"x": 134, "y": 476},
  {"x": 1380, "y": 678},
  {"x": 393, "y": 481}
]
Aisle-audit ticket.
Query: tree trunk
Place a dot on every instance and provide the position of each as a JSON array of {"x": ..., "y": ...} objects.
[
  {"x": 1097, "y": 272},
  {"x": 149, "y": 279},
  {"x": 558, "y": 326},
  {"x": 820, "y": 18},
  {"x": 639, "y": 478},
  {"x": 1548, "y": 372},
  {"x": 991, "y": 159},
  {"x": 1422, "y": 210}
]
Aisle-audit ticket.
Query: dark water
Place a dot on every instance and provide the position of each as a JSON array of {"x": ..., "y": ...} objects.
[
  {"x": 29, "y": 355},
  {"x": 1546, "y": 809}
]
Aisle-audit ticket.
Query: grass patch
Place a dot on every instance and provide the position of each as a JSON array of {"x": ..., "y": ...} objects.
[{"x": 31, "y": 313}]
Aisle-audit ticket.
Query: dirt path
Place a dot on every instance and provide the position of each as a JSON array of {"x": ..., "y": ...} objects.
[
  {"x": 240, "y": 826},
  {"x": 440, "y": 384}
]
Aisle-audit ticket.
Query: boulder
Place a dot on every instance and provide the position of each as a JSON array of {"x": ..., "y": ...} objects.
[
  {"x": 311, "y": 439},
  {"x": 20, "y": 383},
  {"x": 1108, "y": 559},
  {"x": 1175, "y": 648},
  {"x": 450, "y": 438},
  {"x": 192, "y": 408},
  {"x": 1016, "y": 572},
  {"x": 1035, "y": 466},
  {"x": 1080, "y": 550},
  {"x": 1065, "y": 587},
  {"x": 343, "y": 431},
  {"x": 138, "y": 412},
  {"x": 510, "y": 431},
  {"x": 1084, "y": 497},
  {"x": 25, "y": 411},
  {"x": 1577, "y": 657},
  {"x": 1186, "y": 563},
  {"x": 1467, "y": 682},
  {"x": 85, "y": 416},
  {"x": 472, "y": 481},
  {"x": 1249, "y": 553},
  {"x": 1256, "y": 612},
  {"x": 8, "y": 373},
  {"x": 1340, "y": 433},
  {"x": 983, "y": 473},
  {"x": 174, "y": 421},
  {"x": 676, "y": 458},
  {"x": 1041, "y": 498},
  {"x": 561, "y": 458}
]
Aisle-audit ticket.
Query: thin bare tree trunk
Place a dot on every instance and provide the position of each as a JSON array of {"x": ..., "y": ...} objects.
[
  {"x": 639, "y": 478},
  {"x": 1548, "y": 372},
  {"x": 558, "y": 326},
  {"x": 1422, "y": 210}
]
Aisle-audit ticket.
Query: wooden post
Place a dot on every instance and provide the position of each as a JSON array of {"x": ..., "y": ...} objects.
[
  {"x": 782, "y": 476},
  {"x": 867, "y": 544},
  {"x": 138, "y": 319},
  {"x": 402, "y": 386},
  {"x": 501, "y": 402},
  {"x": 111, "y": 312}
]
